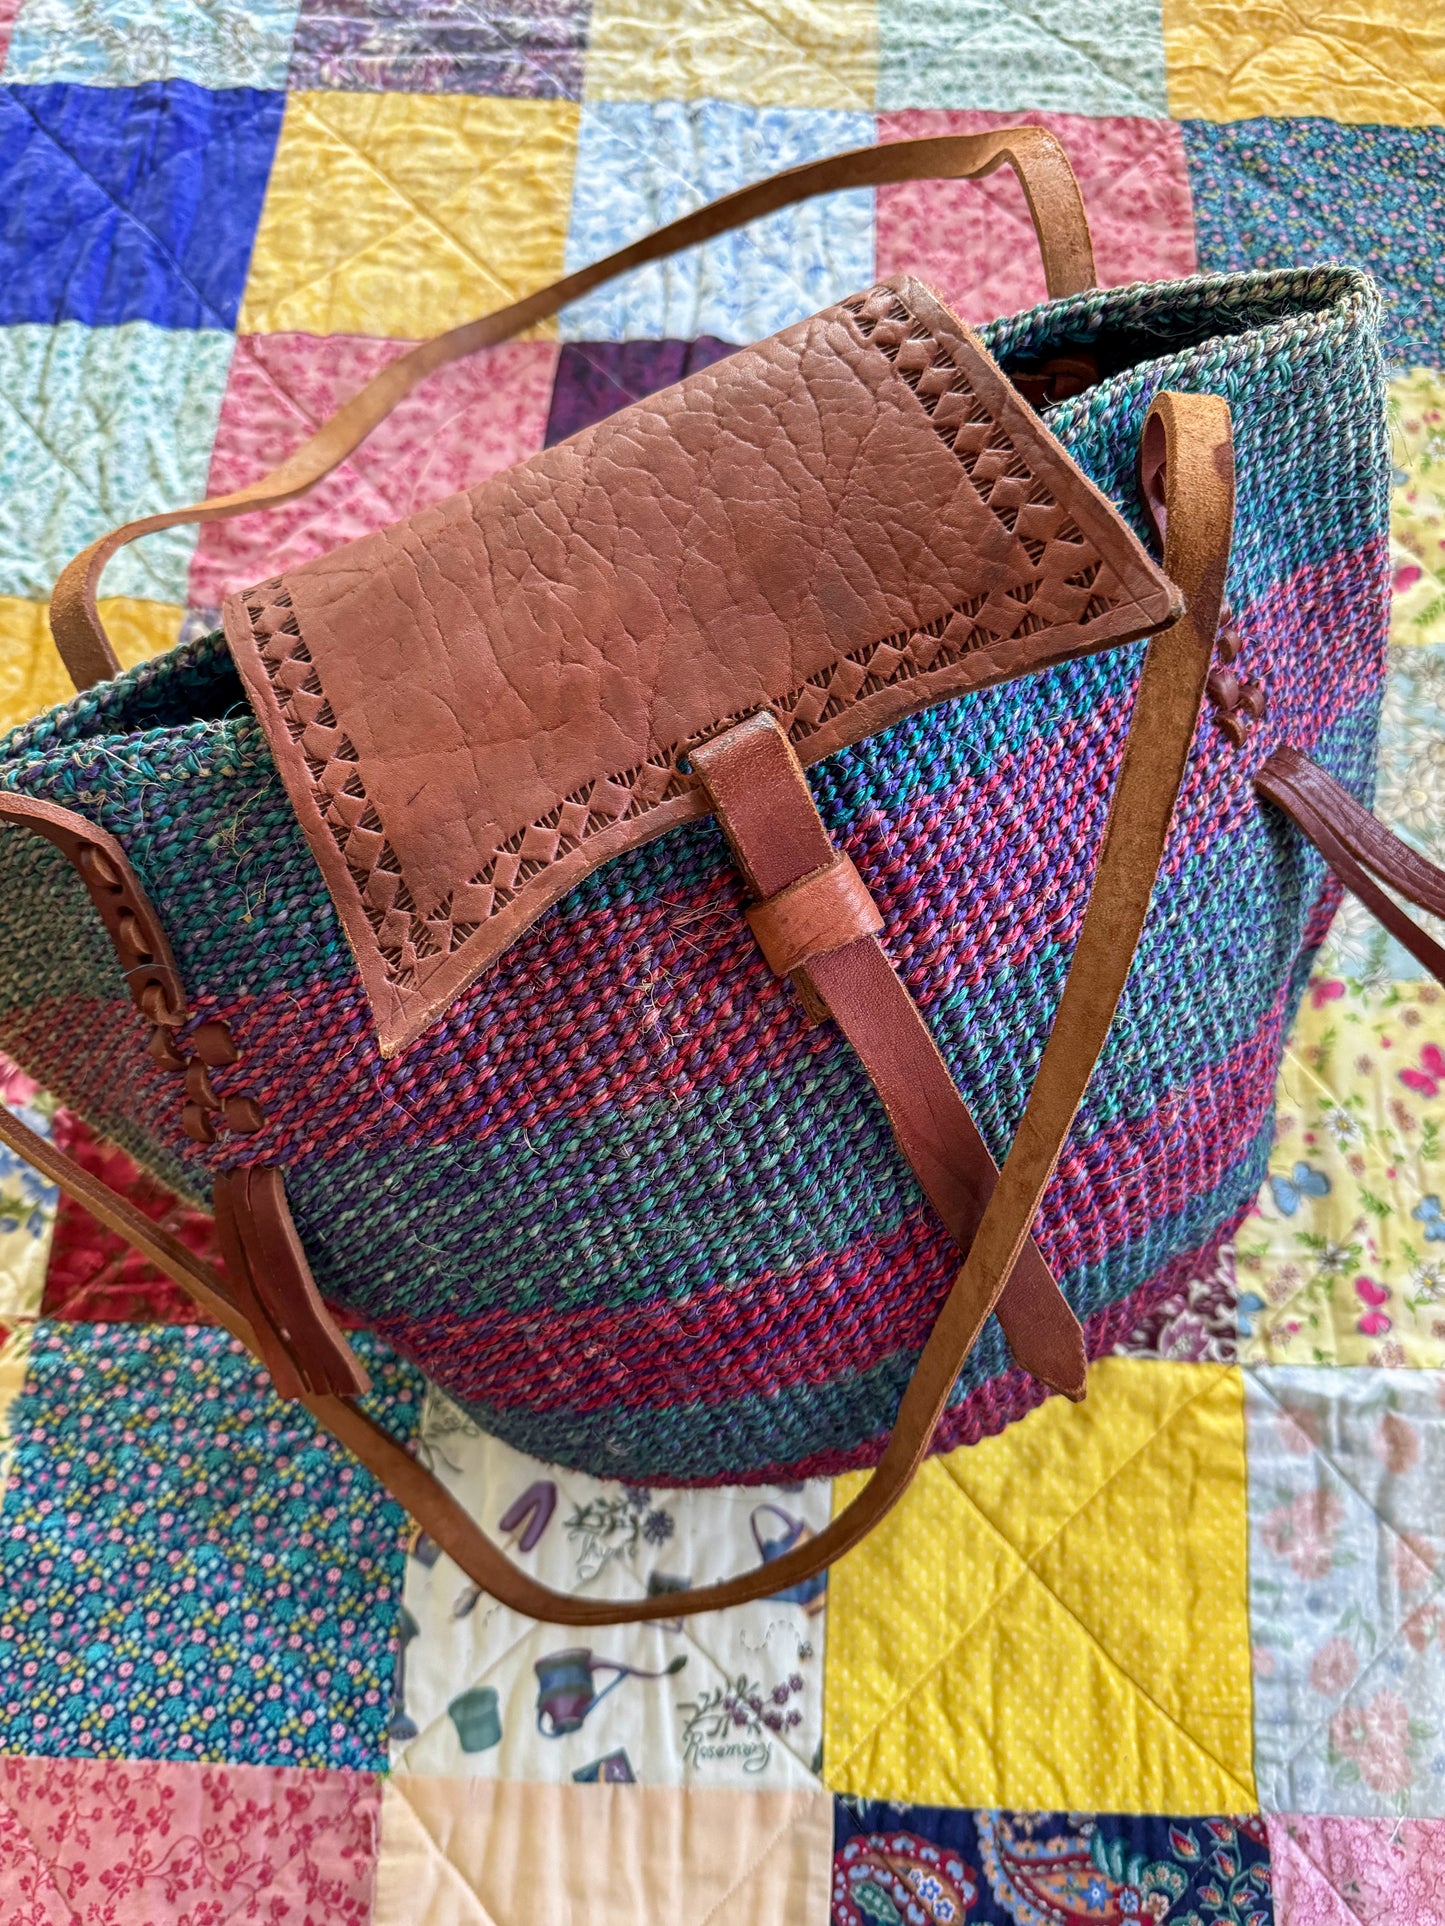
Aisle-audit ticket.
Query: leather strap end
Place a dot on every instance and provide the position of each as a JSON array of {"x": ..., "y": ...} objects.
[
  {"x": 819, "y": 923},
  {"x": 1043, "y": 1333},
  {"x": 228, "y": 1202},
  {"x": 273, "y": 1287},
  {"x": 1358, "y": 849}
]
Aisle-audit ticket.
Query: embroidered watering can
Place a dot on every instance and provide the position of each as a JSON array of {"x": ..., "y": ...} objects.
[
  {"x": 796, "y": 1531},
  {"x": 477, "y": 1718},
  {"x": 566, "y": 1693}
]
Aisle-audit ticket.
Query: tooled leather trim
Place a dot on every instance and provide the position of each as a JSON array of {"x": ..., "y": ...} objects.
[{"x": 962, "y": 422}]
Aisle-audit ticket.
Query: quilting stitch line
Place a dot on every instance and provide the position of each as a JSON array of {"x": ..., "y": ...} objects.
[
  {"x": 1027, "y": 1570},
  {"x": 1437, "y": 1591}
]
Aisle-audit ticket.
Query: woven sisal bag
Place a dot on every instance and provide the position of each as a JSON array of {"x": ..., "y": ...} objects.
[{"x": 463, "y": 928}]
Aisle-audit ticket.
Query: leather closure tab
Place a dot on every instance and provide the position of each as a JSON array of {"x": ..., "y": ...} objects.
[
  {"x": 766, "y": 810},
  {"x": 820, "y": 912},
  {"x": 474, "y": 709}
]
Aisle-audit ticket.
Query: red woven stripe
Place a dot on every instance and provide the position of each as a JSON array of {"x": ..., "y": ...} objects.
[{"x": 994, "y": 1406}]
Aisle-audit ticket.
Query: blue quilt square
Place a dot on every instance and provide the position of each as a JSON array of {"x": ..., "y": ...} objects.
[
  {"x": 1049, "y": 56},
  {"x": 640, "y": 165},
  {"x": 1288, "y": 193},
  {"x": 131, "y": 203},
  {"x": 98, "y": 425},
  {"x": 119, "y": 43}
]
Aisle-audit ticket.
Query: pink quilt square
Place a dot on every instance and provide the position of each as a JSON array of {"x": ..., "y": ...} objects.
[
  {"x": 115, "y": 1843},
  {"x": 973, "y": 242},
  {"x": 8, "y": 11},
  {"x": 1357, "y": 1872},
  {"x": 465, "y": 423}
]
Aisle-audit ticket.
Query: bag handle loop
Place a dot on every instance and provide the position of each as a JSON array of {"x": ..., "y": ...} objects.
[
  {"x": 1033, "y": 153},
  {"x": 1200, "y": 493},
  {"x": 1358, "y": 849}
]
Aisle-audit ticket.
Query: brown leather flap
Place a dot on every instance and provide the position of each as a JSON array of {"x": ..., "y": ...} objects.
[{"x": 473, "y": 709}]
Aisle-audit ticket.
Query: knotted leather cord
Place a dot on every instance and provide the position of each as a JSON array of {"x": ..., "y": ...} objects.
[
  {"x": 1200, "y": 497},
  {"x": 1032, "y": 152}
]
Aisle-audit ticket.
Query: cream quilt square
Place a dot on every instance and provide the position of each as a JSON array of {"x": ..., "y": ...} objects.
[
  {"x": 457, "y": 1852},
  {"x": 729, "y": 1698},
  {"x": 795, "y": 53}
]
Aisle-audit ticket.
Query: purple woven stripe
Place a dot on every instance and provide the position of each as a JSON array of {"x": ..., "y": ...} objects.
[
  {"x": 958, "y": 909},
  {"x": 845, "y": 1311},
  {"x": 842, "y": 1312}
]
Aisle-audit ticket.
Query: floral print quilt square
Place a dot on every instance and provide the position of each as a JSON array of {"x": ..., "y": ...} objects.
[{"x": 1347, "y": 1562}]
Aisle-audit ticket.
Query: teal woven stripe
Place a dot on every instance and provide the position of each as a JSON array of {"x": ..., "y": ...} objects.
[
  {"x": 53, "y": 943},
  {"x": 593, "y": 1227},
  {"x": 687, "y": 1443},
  {"x": 205, "y": 805},
  {"x": 212, "y": 807}
]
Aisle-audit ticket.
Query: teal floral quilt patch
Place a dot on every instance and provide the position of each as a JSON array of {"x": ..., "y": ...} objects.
[{"x": 190, "y": 1569}]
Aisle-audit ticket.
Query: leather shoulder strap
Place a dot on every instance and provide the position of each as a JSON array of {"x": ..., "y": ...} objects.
[
  {"x": 1032, "y": 152},
  {"x": 1199, "y": 490}
]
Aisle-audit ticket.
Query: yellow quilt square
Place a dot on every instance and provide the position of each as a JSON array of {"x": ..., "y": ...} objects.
[
  {"x": 1058, "y": 1618},
  {"x": 1365, "y": 61},
  {"x": 1342, "y": 1261},
  {"x": 400, "y": 215},
  {"x": 798, "y": 53},
  {"x": 32, "y": 677}
]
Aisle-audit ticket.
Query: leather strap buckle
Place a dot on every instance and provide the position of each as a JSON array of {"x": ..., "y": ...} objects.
[{"x": 822, "y": 911}]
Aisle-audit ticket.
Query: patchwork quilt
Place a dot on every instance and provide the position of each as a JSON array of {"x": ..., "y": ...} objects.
[{"x": 1174, "y": 1655}]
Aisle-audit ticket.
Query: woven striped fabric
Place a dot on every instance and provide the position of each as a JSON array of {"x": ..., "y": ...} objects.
[{"x": 622, "y": 1202}]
